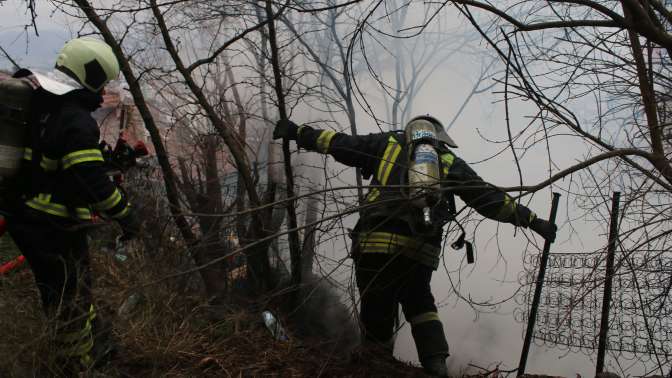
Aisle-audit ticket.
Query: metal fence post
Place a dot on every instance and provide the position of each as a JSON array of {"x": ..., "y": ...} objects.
[{"x": 537, "y": 291}]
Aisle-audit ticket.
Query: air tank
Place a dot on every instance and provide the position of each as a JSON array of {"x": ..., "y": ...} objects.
[
  {"x": 15, "y": 98},
  {"x": 423, "y": 170}
]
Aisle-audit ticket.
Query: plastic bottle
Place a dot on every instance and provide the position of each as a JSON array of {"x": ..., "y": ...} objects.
[
  {"x": 120, "y": 250},
  {"x": 274, "y": 326}
]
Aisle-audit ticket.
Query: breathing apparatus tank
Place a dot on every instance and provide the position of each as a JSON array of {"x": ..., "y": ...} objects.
[
  {"x": 15, "y": 99},
  {"x": 423, "y": 168}
]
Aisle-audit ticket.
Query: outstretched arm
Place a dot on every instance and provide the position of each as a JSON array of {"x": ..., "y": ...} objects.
[
  {"x": 488, "y": 200},
  {"x": 352, "y": 150}
]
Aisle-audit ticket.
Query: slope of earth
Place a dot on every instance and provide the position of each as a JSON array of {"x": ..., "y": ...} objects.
[{"x": 171, "y": 334}]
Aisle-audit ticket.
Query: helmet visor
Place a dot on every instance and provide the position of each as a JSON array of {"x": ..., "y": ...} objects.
[{"x": 55, "y": 81}]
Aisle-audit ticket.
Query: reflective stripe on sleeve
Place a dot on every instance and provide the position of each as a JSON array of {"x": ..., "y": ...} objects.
[
  {"x": 532, "y": 217},
  {"x": 324, "y": 140},
  {"x": 111, "y": 201},
  {"x": 507, "y": 209},
  {"x": 424, "y": 317},
  {"x": 28, "y": 153},
  {"x": 122, "y": 213},
  {"x": 81, "y": 156}
]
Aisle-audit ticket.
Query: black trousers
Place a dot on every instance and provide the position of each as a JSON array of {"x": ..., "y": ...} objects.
[
  {"x": 59, "y": 260},
  {"x": 387, "y": 280}
]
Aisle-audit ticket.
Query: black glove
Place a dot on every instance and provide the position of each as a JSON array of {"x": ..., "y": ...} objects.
[
  {"x": 130, "y": 225},
  {"x": 544, "y": 228},
  {"x": 285, "y": 128}
]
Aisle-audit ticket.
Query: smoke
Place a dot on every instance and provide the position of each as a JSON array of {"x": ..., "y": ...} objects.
[{"x": 323, "y": 315}]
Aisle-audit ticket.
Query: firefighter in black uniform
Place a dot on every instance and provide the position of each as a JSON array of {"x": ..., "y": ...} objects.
[
  {"x": 61, "y": 183},
  {"x": 394, "y": 251}
]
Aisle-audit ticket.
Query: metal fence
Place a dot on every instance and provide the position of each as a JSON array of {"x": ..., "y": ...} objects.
[{"x": 569, "y": 314}]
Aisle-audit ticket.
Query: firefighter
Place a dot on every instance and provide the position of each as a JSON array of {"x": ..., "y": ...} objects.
[
  {"x": 62, "y": 181},
  {"x": 397, "y": 245}
]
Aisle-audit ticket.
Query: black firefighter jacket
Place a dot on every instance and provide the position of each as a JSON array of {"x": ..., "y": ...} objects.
[
  {"x": 389, "y": 223},
  {"x": 63, "y": 176}
]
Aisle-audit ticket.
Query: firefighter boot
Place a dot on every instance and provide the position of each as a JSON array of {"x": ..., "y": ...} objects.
[
  {"x": 435, "y": 366},
  {"x": 431, "y": 343}
]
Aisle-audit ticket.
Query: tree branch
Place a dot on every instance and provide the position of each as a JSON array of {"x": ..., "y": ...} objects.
[{"x": 148, "y": 120}]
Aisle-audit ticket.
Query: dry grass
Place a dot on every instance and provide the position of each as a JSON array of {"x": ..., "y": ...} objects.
[
  {"x": 23, "y": 346},
  {"x": 173, "y": 333}
]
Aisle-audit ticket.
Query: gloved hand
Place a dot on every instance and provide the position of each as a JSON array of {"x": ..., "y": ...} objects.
[
  {"x": 285, "y": 129},
  {"x": 131, "y": 226},
  {"x": 544, "y": 228}
]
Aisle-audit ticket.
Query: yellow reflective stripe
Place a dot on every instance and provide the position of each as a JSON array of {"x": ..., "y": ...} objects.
[
  {"x": 448, "y": 160},
  {"x": 507, "y": 209},
  {"x": 27, "y": 153},
  {"x": 111, "y": 201},
  {"x": 386, "y": 156},
  {"x": 43, "y": 203},
  {"x": 376, "y": 244},
  {"x": 122, "y": 213},
  {"x": 48, "y": 164},
  {"x": 324, "y": 140},
  {"x": 388, "y": 242},
  {"x": 391, "y": 241},
  {"x": 370, "y": 249},
  {"x": 390, "y": 165},
  {"x": 73, "y": 337},
  {"x": 77, "y": 335},
  {"x": 373, "y": 195},
  {"x": 391, "y": 143},
  {"x": 46, "y": 208},
  {"x": 298, "y": 131},
  {"x": 80, "y": 343},
  {"x": 532, "y": 217},
  {"x": 389, "y": 238},
  {"x": 385, "y": 241},
  {"x": 427, "y": 249},
  {"x": 81, "y": 348},
  {"x": 81, "y": 156},
  {"x": 83, "y": 213},
  {"x": 87, "y": 360},
  {"x": 424, "y": 317}
]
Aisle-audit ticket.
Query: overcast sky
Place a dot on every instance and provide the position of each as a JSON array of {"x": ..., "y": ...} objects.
[{"x": 18, "y": 38}]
